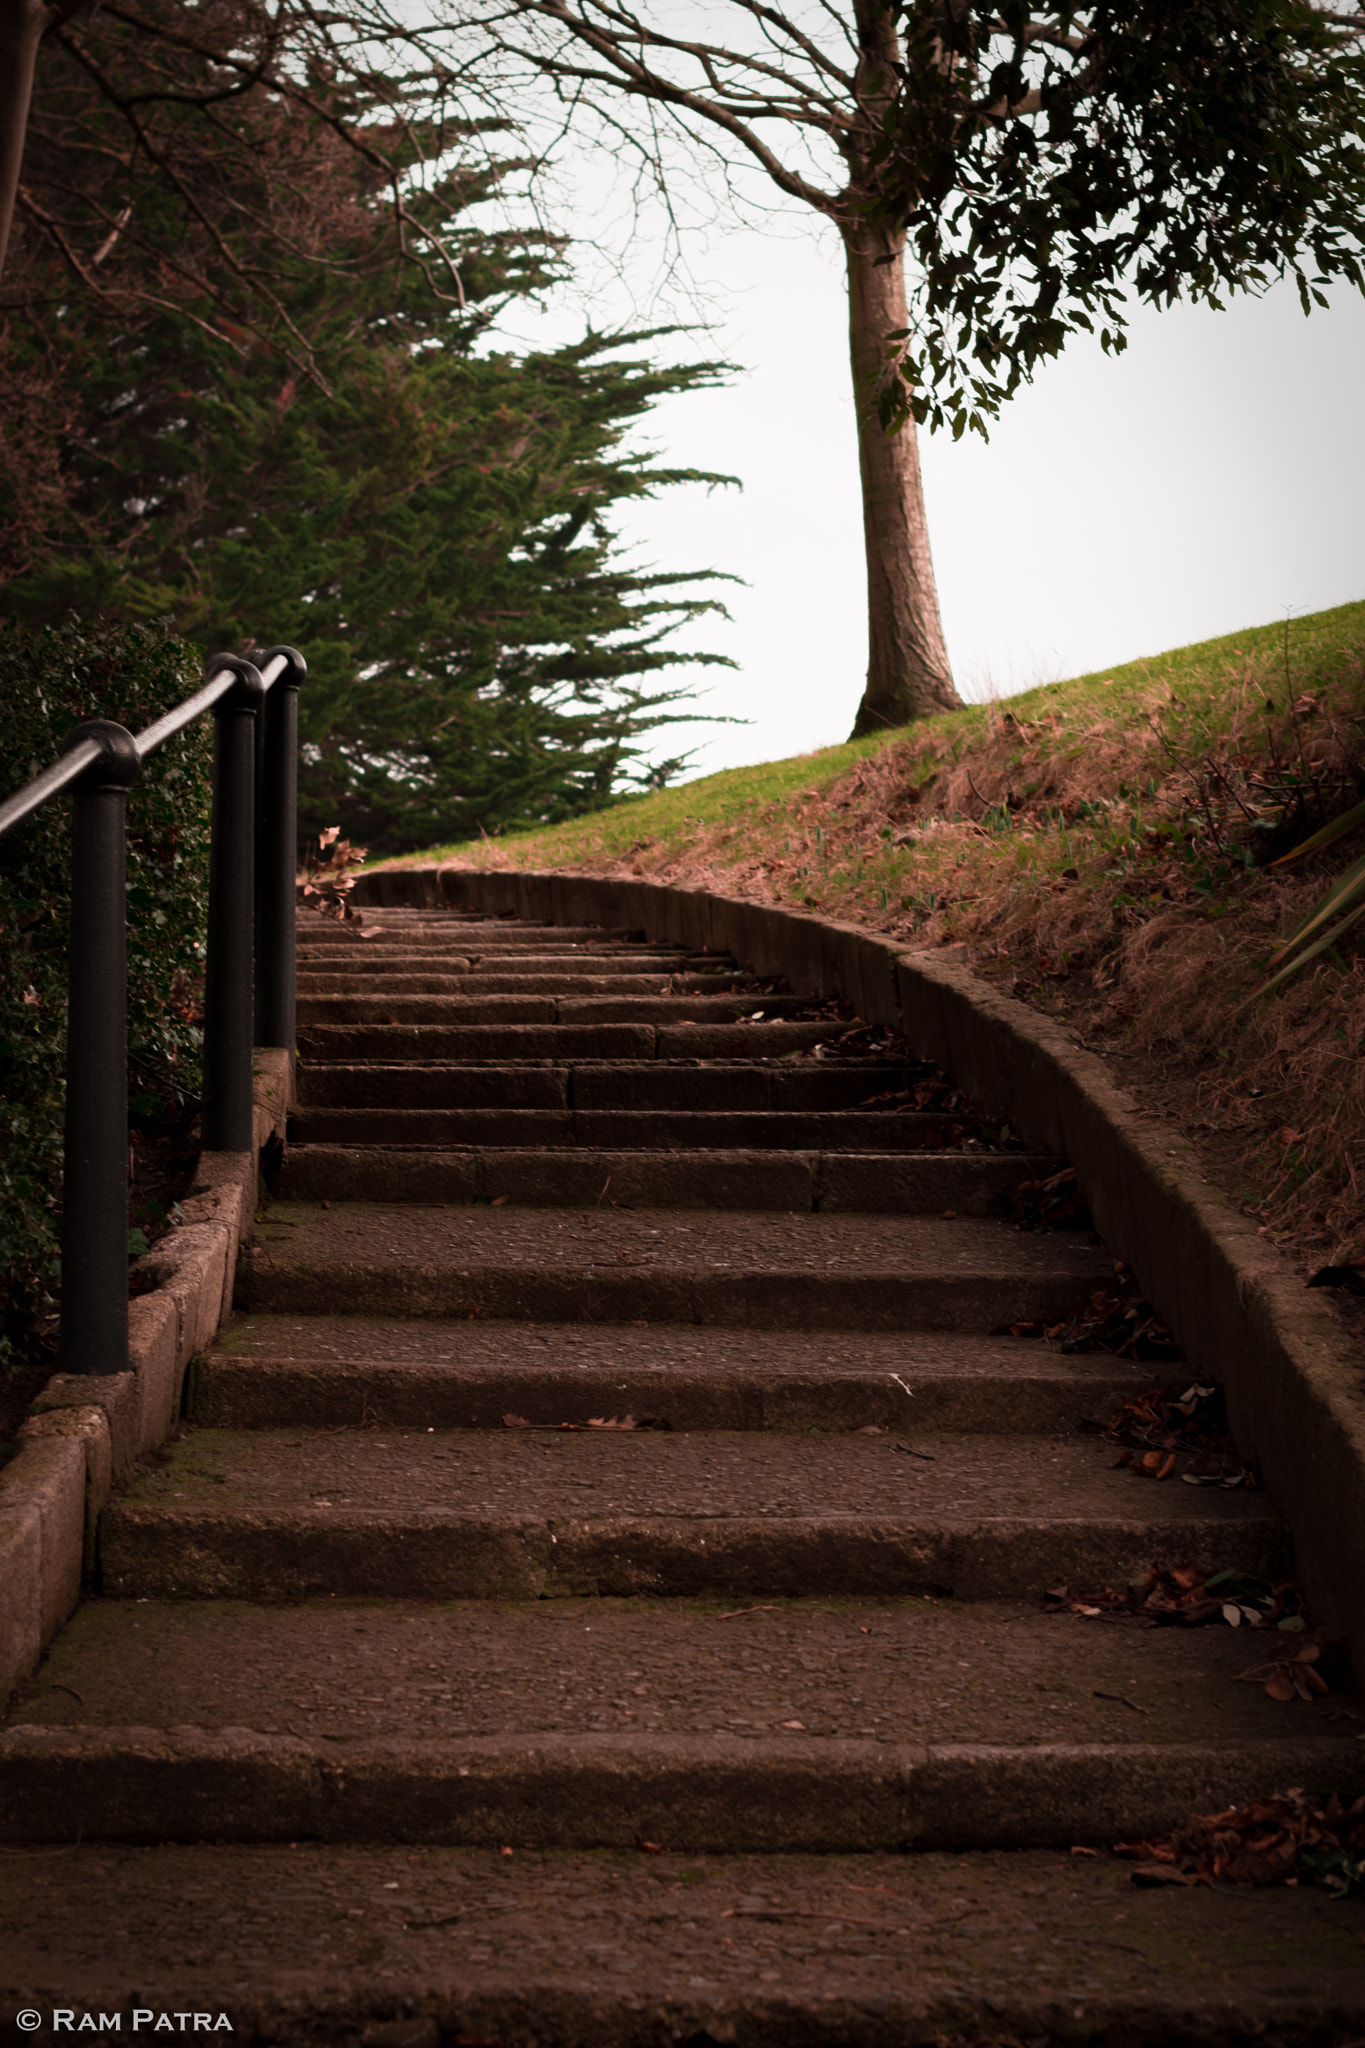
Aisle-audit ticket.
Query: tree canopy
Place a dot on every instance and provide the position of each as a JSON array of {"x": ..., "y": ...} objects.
[
  {"x": 429, "y": 517},
  {"x": 1054, "y": 165}
]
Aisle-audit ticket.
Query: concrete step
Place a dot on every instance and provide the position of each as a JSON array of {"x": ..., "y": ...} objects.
[
  {"x": 497, "y": 1044},
  {"x": 476, "y": 981},
  {"x": 543, "y": 1009},
  {"x": 515, "y": 1514},
  {"x": 412, "y": 1947},
  {"x": 805, "y": 1727},
  {"x": 652, "y": 1084},
  {"x": 463, "y": 933},
  {"x": 280, "y": 1371},
  {"x": 380, "y": 959},
  {"x": 751, "y": 1270},
  {"x": 896, "y": 1183},
  {"x": 633, "y": 1130}
]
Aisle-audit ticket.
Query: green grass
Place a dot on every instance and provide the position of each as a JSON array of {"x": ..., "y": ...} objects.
[
  {"x": 1211, "y": 681},
  {"x": 668, "y": 817}
]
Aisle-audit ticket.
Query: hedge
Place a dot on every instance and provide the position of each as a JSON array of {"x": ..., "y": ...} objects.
[{"x": 50, "y": 681}]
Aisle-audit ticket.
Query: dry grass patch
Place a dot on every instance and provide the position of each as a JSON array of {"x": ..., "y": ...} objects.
[{"x": 1104, "y": 848}]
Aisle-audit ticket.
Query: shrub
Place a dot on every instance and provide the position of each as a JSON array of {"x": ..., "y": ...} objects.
[{"x": 50, "y": 681}]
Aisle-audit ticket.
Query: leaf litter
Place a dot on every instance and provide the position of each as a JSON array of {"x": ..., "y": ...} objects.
[
  {"x": 1287, "y": 1839},
  {"x": 1043, "y": 1206},
  {"x": 601, "y": 1422},
  {"x": 1186, "y": 1596},
  {"x": 1117, "y": 1320},
  {"x": 1188, "y": 1430}
]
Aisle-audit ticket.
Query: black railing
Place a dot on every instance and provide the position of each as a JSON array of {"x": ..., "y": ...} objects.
[{"x": 248, "y": 971}]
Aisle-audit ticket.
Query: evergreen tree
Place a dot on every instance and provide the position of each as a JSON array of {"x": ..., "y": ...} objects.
[{"x": 431, "y": 522}]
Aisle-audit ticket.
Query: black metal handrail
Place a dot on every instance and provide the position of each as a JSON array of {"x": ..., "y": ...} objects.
[{"x": 249, "y": 970}]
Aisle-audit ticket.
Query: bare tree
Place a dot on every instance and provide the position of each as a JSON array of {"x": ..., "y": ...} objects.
[{"x": 807, "y": 99}]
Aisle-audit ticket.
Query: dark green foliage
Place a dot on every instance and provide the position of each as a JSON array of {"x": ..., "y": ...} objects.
[
  {"x": 477, "y": 658},
  {"x": 1069, "y": 157},
  {"x": 49, "y": 682},
  {"x": 429, "y": 523}
]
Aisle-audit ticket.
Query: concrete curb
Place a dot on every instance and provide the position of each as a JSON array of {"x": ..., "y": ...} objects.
[
  {"x": 1239, "y": 1310},
  {"x": 87, "y": 1434}
]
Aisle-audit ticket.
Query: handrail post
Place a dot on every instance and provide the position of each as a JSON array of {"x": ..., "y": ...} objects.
[
  {"x": 228, "y": 983},
  {"x": 94, "y": 1318},
  {"x": 277, "y": 853}
]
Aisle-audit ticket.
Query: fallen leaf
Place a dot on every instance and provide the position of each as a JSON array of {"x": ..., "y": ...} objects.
[
  {"x": 1287, "y": 1839},
  {"x": 1290, "y": 1676},
  {"x": 613, "y": 1422},
  {"x": 628, "y": 1422},
  {"x": 1190, "y": 1596}
]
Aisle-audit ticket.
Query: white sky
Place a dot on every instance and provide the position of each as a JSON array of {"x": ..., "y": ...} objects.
[{"x": 1208, "y": 479}]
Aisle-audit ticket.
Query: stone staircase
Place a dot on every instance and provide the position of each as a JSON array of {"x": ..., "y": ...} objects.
[{"x": 400, "y": 1599}]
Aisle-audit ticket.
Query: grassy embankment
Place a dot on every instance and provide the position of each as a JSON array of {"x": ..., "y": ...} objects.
[{"x": 1103, "y": 848}]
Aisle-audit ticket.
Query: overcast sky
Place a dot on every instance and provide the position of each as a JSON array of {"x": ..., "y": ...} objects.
[{"x": 1208, "y": 479}]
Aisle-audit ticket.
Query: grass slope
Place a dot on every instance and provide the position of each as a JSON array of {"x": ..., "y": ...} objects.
[{"x": 1104, "y": 848}]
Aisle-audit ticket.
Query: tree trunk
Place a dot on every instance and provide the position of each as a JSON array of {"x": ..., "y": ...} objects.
[
  {"x": 908, "y": 675},
  {"x": 22, "y": 23}
]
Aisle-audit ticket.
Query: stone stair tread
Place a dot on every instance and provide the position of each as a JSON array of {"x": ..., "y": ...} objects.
[
  {"x": 636, "y": 1950},
  {"x": 909, "y": 1182},
  {"x": 775, "y": 1267},
  {"x": 559, "y": 1477},
  {"x": 654, "y": 1008},
  {"x": 592, "y": 1790},
  {"x": 462, "y": 932},
  {"x": 594, "y": 1084},
  {"x": 627, "y": 1129},
  {"x": 268, "y": 1371},
  {"x": 843, "y": 1726},
  {"x": 813, "y": 1354},
  {"x": 516, "y": 1514},
  {"x": 508, "y": 961},
  {"x": 915, "y": 1672},
  {"x": 448, "y": 1239},
  {"x": 499, "y": 1044},
  {"x": 556, "y": 982}
]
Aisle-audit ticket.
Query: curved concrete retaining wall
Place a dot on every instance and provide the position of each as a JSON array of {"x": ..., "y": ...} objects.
[
  {"x": 88, "y": 1433},
  {"x": 1239, "y": 1310}
]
